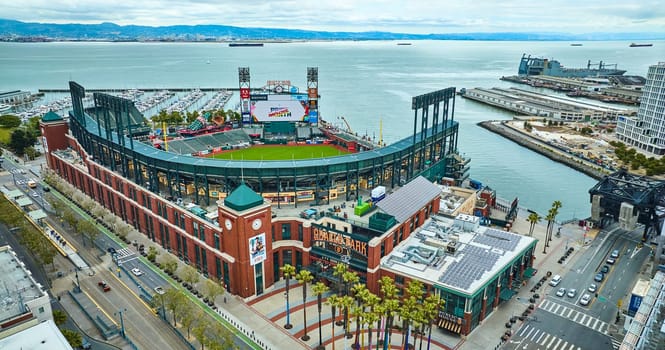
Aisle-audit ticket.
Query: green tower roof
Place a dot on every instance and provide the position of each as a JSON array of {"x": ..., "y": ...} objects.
[
  {"x": 243, "y": 198},
  {"x": 51, "y": 117}
]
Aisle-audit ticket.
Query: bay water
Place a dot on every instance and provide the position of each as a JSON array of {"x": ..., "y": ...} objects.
[{"x": 370, "y": 83}]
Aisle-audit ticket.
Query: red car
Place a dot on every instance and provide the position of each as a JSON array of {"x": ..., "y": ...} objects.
[{"x": 105, "y": 287}]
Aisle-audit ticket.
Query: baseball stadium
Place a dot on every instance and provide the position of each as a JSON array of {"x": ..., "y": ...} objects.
[{"x": 281, "y": 149}]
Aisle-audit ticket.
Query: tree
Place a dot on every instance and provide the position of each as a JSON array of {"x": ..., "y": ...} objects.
[
  {"x": 360, "y": 293},
  {"x": 288, "y": 271},
  {"x": 335, "y": 302},
  {"x": 9, "y": 121},
  {"x": 189, "y": 275},
  {"x": 200, "y": 331},
  {"x": 346, "y": 302},
  {"x": 431, "y": 307},
  {"x": 20, "y": 140},
  {"x": 174, "y": 301},
  {"x": 212, "y": 289},
  {"x": 391, "y": 304},
  {"x": 349, "y": 278},
  {"x": 304, "y": 277},
  {"x": 188, "y": 316},
  {"x": 31, "y": 152},
  {"x": 338, "y": 271},
  {"x": 75, "y": 339},
  {"x": 169, "y": 263},
  {"x": 152, "y": 253},
  {"x": 550, "y": 219},
  {"x": 59, "y": 317},
  {"x": 318, "y": 289},
  {"x": 87, "y": 228},
  {"x": 70, "y": 219},
  {"x": 408, "y": 312},
  {"x": 533, "y": 219}
]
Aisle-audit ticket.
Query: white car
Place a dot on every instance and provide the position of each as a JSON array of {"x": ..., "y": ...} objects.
[
  {"x": 572, "y": 293},
  {"x": 592, "y": 288},
  {"x": 585, "y": 299},
  {"x": 561, "y": 292},
  {"x": 137, "y": 272},
  {"x": 159, "y": 290}
]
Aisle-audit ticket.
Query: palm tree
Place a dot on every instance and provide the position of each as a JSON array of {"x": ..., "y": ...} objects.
[
  {"x": 347, "y": 302},
  {"x": 550, "y": 218},
  {"x": 409, "y": 311},
  {"x": 304, "y": 277},
  {"x": 533, "y": 219},
  {"x": 371, "y": 300},
  {"x": 391, "y": 305},
  {"x": 431, "y": 307},
  {"x": 556, "y": 205},
  {"x": 349, "y": 278},
  {"x": 360, "y": 292},
  {"x": 320, "y": 288},
  {"x": 338, "y": 271},
  {"x": 335, "y": 302},
  {"x": 288, "y": 271}
]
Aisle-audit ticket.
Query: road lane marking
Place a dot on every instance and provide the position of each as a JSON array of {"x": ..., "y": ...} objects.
[
  {"x": 551, "y": 341},
  {"x": 99, "y": 307},
  {"x": 557, "y": 343},
  {"x": 524, "y": 330},
  {"x": 541, "y": 336},
  {"x": 532, "y": 329},
  {"x": 545, "y": 340}
]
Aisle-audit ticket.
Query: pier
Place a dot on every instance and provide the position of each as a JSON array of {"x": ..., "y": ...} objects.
[
  {"x": 151, "y": 89},
  {"x": 542, "y": 105}
]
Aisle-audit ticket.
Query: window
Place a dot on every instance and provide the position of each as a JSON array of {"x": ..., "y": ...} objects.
[
  {"x": 287, "y": 257},
  {"x": 41, "y": 309},
  {"x": 286, "y": 231},
  {"x": 300, "y": 235},
  {"x": 217, "y": 245}
]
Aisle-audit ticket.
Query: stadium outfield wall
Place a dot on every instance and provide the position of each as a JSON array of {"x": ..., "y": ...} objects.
[{"x": 102, "y": 135}]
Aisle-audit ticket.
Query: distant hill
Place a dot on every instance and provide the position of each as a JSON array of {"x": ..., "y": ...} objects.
[{"x": 11, "y": 30}]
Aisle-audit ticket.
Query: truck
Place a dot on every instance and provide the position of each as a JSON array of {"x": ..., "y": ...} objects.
[{"x": 378, "y": 193}]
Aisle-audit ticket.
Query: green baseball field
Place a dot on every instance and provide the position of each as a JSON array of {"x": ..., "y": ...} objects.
[{"x": 281, "y": 152}]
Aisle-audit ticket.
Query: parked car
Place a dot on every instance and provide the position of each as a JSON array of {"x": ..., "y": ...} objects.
[
  {"x": 572, "y": 293},
  {"x": 585, "y": 299},
  {"x": 137, "y": 272},
  {"x": 615, "y": 254},
  {"x": 610, "y": 261},
  {"x": 592, "y": 288},
  {"x": 599, "y": 277},
  {"x": 561, "y": 292},
  {"x": 159, "y": 290},
  {"x": 105, "y": 287},
  {"x": 605, "y": 269}
]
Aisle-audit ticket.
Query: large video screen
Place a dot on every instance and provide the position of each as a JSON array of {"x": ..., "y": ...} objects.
[{"x": 271, "y": 108}]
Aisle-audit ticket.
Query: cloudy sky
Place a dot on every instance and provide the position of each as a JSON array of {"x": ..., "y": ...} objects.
[{"x": 415, "y": 16}]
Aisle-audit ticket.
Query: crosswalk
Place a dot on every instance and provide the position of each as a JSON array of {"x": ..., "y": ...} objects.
[
  {"x": 574, "y": 315},
  {"x": 125, "y": 254},
  {"x": 616, "y": 344},
  {"x": 542, "y": 338}
]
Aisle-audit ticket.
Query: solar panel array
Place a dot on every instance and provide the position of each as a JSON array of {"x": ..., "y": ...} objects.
[
  {"x": 474, "y": 263},
  {"x": 498, "y": 239}
]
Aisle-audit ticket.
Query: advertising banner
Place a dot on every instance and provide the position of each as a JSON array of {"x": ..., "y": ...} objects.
[
  {"x": 257, "y": 249},
  {"x": 279, "y": 108}
]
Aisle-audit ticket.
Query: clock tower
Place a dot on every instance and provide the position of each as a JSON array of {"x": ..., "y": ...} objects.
[{"x": 245, "y": 218}]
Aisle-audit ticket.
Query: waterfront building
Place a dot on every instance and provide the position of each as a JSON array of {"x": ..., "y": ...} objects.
[
  {"x": 472, "y": 267},
  {"x": 36, "y": 336},
  {"x": 646, "y": 328},
  {"x": 646, "y": 131},
  {"x": 25, "y": 302}
]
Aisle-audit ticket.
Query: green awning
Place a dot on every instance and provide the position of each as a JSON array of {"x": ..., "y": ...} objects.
[
  {"x": 506, "y": 294},
  {"x": 529, "y": 272}
]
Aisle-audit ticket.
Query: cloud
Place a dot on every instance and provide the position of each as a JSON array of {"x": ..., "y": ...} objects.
[{"x": 415, "y": 16}]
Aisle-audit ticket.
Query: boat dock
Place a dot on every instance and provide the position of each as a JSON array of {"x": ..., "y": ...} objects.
[
  {"x": 619, "y": 89},
  {"x": 152, "y": 89},
  {"x": 542, "y": 105}
]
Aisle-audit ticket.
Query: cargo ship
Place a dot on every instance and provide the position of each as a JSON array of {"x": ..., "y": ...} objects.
[
  {"x": 543, "y": 66},
  {"x": 640, "y": 45},
  {"x": 245, "y": 44}
]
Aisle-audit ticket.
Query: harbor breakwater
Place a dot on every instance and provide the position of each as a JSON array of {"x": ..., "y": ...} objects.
[{"x": 535, "y": 145}]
